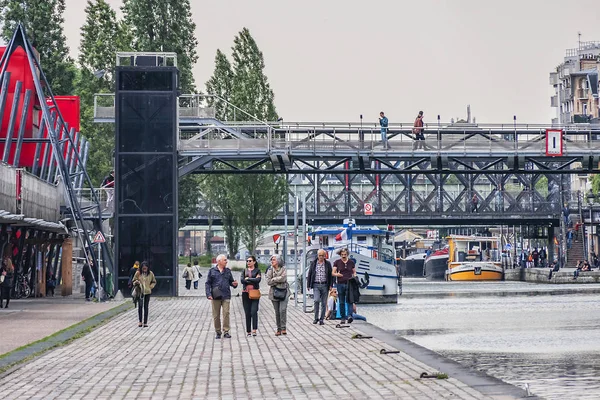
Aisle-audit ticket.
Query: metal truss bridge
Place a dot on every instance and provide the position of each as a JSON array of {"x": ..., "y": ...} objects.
[{"x": 338, "y": 167}]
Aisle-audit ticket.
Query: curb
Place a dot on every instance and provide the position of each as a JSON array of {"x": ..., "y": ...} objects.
[
  {"x": 478, "y": 380},
  {"x": 39, "y": 347}
]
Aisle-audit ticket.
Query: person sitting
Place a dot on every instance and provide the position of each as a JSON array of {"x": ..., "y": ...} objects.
[
  {"x": 331, "y": 304},
  {"x": 579, "y": 268}
]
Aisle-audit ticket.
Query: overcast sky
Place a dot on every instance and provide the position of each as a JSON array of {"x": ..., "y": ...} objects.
[{"x": 332, "y": 60}]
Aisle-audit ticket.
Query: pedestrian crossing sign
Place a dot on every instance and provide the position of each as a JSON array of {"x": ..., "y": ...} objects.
[{"x": 99, "y": 238}]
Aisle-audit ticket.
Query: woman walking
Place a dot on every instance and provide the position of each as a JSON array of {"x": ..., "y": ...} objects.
[
  {"x": 7, "y": 274},
  {"x": 250, "y": 282},
  {"x": 144, "y": 278},
  {"x": 188, "y": 275},
  {"x": 278, "y": 293}
]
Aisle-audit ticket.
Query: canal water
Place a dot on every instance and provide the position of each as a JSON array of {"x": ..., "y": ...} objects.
[{"x": 545, "y": 335}]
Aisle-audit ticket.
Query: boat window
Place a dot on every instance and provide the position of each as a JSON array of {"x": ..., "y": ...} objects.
[
  {"x": 258, "y": 252},
  {"x": 267, "y": 252},
  {"x": 386, "y": 255},
  {"x": 361, "y": 239},
  {"x": 325, "y": 240}
]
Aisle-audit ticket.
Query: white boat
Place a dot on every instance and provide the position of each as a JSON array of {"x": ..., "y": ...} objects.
[
  {"x": 371, "y": 250},
  {"x": 474, "y": 258}
]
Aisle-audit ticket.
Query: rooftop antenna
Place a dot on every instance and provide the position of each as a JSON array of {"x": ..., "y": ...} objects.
[{"x": 579, "y": 40}]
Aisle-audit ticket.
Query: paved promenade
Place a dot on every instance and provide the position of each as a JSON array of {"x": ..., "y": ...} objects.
[{"x": 177, "y": 357}]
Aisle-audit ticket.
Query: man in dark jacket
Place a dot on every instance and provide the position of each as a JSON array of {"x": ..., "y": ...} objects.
[
  {"x": 88, "y": 277},
  {"x": 217, "y": 285},
  {"x": 320, "y": 280}
]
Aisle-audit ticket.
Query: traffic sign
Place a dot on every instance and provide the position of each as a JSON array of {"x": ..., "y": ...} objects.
[
  {"x": 368, "y": 209},
  {"x": 99, "y": 238},
  {"x": 554, "y": 142},
  {"x": 276, "y": 238},
  {"x": 507, "y": 246}
]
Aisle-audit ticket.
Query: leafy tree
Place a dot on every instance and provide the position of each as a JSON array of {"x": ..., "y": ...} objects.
[
  {"x": 102, "y": 36},
  {"x": 246, "y": 203},
  {"x": 43, "y": 20},
  {"x": 165, "y": 25}
]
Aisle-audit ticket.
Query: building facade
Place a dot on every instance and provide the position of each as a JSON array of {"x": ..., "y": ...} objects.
[{"x": 575, "y": 82}]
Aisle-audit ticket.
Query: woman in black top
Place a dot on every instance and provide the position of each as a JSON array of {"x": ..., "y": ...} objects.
[
  {"x": 250, "y": 280},
  {"x": 8, "y": 271}
]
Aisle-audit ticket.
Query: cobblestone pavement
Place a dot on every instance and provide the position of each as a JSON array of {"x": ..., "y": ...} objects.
[{"x": 178, "y": 357}]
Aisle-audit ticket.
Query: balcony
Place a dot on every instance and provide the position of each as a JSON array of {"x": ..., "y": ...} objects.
[
  {"x": 553, "y": 78},
  {"x": 554, "y": 101},
  {"x": 583, "y": 94}
]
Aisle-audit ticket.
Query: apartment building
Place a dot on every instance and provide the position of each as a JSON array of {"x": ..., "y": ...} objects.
[{"x": 575, "y": 82}]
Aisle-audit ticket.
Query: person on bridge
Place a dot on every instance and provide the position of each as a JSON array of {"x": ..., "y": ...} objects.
[
  {"x": 383, "y": 121},
  {"x": 217, "y": 285},
  {"x": 145, "y": 280},
  {"x": 418, "y": 130},
  {"x": 320, "y": 280},
  {"x": 344, "y": 269},
  {"x": 474, "y": 203},
  {"x": 108, "y": 184}
]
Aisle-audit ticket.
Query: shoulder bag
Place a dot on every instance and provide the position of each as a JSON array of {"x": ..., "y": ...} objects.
[
  {"x": 217, "y": 294},
  {"x": 280, "y": 294}
]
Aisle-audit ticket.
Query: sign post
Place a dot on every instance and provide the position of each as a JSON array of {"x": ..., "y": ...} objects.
[
  {"x": 554, "y": 142},
  {"x": 368, "y": 209},
  {"x": 98, "y": 239}
]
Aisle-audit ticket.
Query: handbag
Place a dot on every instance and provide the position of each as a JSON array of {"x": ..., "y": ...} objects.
[
  {"x": 185, "y": 274},
  {"x": 217, "y": 294},
  {"x": 1, "y": 278},
  {"x": 254, "y": 294},
  {"x": 279, "y": 294}
]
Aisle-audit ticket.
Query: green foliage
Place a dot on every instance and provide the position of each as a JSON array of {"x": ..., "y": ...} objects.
[
  {"x": 188, "y": 198},
  {"x": 164, "y": 25},
  {"x": 246, "y": 203},
  {"x": 541, "y": 186},
  {"x": 102, "y": 36},
  {"x": 596, "y": 184},
  {"x": 43, "y": 20}
]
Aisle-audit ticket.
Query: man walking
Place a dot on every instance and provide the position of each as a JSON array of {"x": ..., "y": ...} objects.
[
  {"x": 320, "y": 280},
  {"x": 418, "y": 131},
  {"x": 217, "y": 285},
  {"x": 108, "y": 184},
  {"x": 383, "y": 121}
]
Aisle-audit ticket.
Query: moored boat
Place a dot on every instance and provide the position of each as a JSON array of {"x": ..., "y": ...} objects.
[
  {"x": 412, "y": 265},
  {"x": 474, "y": 258},
  {"x": 436, "y": 265}
]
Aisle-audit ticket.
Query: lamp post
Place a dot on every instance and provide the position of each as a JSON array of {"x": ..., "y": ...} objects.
[{"x": 590, "y": 200}]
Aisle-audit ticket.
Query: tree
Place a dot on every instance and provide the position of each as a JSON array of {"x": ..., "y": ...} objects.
[
  {"x": 43, "y": 20},
  {"x": 164, "y": 25},
  {"x": 102, "y": 36},
  {"x": 252, "y": 201}
]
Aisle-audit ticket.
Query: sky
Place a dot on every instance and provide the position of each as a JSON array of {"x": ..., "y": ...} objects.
[{"x": 333, "y": 60}]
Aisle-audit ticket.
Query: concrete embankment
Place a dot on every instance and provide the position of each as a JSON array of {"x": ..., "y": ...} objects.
[{"x": 540, "y": 275}]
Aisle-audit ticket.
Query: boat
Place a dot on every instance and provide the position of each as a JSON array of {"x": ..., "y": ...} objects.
[
  {"x": 370, "y": 249},
  {"x": 474, "y": 258},
  {"x": 436, "y": 265},
  {"x": 412, "y": 265}
]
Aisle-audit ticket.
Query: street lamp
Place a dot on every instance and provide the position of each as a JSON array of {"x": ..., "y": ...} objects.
[
  {"x": 590, "y": 200},
  {"x": 190, "y": 255}
]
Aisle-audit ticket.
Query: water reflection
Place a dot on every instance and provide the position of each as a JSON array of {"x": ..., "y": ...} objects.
[{"x": 551, "y": 342}]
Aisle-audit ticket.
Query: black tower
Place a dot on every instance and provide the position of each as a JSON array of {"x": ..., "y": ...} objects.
[{"x": 146, "y": 173}]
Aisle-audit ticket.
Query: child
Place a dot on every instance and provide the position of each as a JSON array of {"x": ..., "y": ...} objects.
[{"x": 331, "y": 304}]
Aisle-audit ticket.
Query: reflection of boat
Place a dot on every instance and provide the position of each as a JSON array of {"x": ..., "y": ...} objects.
[
  {"x": 474, "y": 258},
  {"x": 436, "y": 265},
  {"x": 371, "y": 251},
  {"x": 412, "y": 265}
]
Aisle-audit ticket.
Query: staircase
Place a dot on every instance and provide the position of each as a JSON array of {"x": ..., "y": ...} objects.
[{"x": 576, "y": 252}]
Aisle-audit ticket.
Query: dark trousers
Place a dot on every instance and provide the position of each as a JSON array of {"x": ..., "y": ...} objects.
[
  {"x": 188, "y": 284},
  {"x": 144, "y": 300},
  {"x": 88, "y": 288},
  {"x": 320, "y": 291},
  {"x": 5, "y": 294},
  {"x": 196, "y": 284},
  {"x": 342, "y": 289},
  {"x": 251, "y": 311}
]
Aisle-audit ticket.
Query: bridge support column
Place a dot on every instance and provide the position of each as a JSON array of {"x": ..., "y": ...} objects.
[
  {"x": 67, "y": 268},
  {"x": 551, "y": 244}
]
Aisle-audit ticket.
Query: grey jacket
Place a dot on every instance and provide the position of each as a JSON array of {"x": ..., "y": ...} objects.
[{"x": 276, "y": 278}]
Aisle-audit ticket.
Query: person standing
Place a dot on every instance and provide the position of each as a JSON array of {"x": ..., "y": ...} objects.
[
  {"x": 88, "y": 278},
  {"x": 320, "y": 280},
  {"x": 418, "y": 130},
  {"x": 383, "y": 121},
  {"x": 197, "y": 274},
  {"x": 218, "y": 282},
  {"x": 7, "y": 274},
  {"x": 144, "y": 278},
  {"x": 188, "y": 275},
  {"x": 250, "y": 280},
  {"x": 108, "y": 184},
  {"x": 343, "y": 269},
  {"x": 278, "y": 293},
  {"x": 132, "y": 271},
  {"x": 474, "y": 203}
]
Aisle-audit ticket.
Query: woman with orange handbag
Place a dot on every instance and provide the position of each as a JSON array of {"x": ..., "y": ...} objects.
[{"x": 251, "y": 294}]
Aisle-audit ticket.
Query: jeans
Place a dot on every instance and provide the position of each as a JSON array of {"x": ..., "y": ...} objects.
[
  {"x": 188, "y": 284},
  {"x": 216, "y": 311},
  {"x": 88, "y": 288},
  {"x": 5, "y": 294},
  {"x": 384, "y": 136},
  {"x": 342, "y": 289},
  {"x": 144, "y": 301},
  {"x": 251, "y": 311},
  {"x": 196, "y": 284},
  {"x": 280, "y": 307},
  {"x": 321, "y": 292}
]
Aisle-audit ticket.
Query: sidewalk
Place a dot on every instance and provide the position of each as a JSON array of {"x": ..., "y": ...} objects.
[{"x": 177, "y": 357}]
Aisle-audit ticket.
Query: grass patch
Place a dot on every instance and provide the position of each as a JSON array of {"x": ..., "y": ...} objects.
[
  {"x": 80, "y": 331},
  {"x": 442, "y": 376}
]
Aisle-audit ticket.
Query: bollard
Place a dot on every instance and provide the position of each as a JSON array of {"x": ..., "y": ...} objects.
[{"x": 384, "y": 351}]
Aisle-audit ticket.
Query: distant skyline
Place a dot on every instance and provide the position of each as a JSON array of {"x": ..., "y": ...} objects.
[{"x": 334, "y": 60}]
